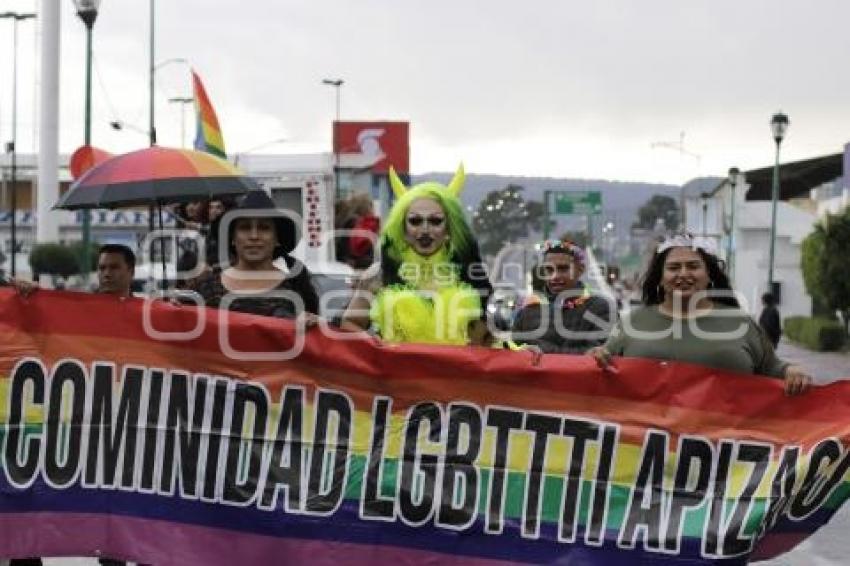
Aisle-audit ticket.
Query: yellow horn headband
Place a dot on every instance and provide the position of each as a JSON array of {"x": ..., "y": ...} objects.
[
  {"x": 398, "y": 187},
  {"x": 454, "y": 187}
]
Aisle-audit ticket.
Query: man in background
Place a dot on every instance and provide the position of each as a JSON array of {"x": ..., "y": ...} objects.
[
  {"x": 770, "y": 320},
  {"x": 116, "y": 265}
]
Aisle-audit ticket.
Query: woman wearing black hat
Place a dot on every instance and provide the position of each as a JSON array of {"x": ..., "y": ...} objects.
[{"x": 254, "y": 280}]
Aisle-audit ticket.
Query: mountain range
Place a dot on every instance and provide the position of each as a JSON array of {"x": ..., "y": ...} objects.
[{"x": 620, "y": 199}]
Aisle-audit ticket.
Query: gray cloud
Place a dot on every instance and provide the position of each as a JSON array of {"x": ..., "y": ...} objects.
[{"x": 547, "y": 87}]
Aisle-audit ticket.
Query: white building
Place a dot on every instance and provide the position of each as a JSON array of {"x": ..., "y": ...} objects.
[
  {"x": 124, "y": 226},
  {"x": 809, "y": 190},
  {"x": 749, "y": 243},
  {"x": 831, "y": 198},
  {"x": 304, "y": 184},
  {"x": 301, "y": 183}
]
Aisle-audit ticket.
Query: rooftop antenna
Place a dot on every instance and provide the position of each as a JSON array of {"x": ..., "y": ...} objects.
[{"x": 680, "y": 147}]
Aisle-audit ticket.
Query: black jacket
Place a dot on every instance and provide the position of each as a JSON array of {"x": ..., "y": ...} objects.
[
  {"x": 770, "y": 322},
  {"x": 565, "y": 328}
]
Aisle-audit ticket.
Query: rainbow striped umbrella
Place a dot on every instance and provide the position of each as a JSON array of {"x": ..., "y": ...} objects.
[{"x": 155, "y": 175}]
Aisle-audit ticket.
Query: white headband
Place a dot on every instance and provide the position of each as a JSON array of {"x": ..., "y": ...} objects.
[{"x": 708, "y": 245}]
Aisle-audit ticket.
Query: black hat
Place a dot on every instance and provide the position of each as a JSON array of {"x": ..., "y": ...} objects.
[{"x": 287, "y": 231}]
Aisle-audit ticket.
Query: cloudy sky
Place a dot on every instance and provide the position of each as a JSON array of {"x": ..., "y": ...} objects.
[{"x": 551, "y": 87}]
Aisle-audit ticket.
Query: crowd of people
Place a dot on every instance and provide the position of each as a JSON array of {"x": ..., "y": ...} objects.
[
  {"x": 199, "y": 221},
  {"x": 431, "y": 286}
]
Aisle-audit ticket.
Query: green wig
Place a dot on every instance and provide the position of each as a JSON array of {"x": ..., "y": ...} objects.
[
  {"x": 461, "y": 245},
  {"x": 460, "y": 236}
]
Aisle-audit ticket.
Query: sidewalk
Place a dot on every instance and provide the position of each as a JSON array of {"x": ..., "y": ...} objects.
[
  {"x": 825, "y": 367},
  {"x": 829, "y": 546}
]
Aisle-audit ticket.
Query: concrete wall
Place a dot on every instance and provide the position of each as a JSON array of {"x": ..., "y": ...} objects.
[{"x": 751, "y": 267}]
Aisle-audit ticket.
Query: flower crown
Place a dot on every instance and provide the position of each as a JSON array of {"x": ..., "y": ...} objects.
[
  {"x": 563, "y": 246},
  {"x": 688, "y": 240}
]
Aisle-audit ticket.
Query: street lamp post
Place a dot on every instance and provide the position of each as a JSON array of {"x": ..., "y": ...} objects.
[
  {"x": 182, "y": 101},
  {"x": 11, "y": 147},
  {"x": 120, "y": 126},
  {"x": 337, "y": 84},
  {"x": 151, "y": 126},
  {"x": 730, "y": 243},
  {"x": 151, "y": 71},
  {"x": 154, "y": 67},
  {"x": 778, "y": 126},
  {"x": 87, "y": 11},
  {"x": 254, "y": 148}
]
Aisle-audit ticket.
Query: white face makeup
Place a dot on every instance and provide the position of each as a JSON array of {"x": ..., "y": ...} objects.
[{"x": 425, "y": 226}]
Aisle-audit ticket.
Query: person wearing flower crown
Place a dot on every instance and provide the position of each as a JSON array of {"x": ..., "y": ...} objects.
[
  {"x": 564, "y": 318},
  {"x": 691, "y": 314},
  {"x": 432, "y": 286}
]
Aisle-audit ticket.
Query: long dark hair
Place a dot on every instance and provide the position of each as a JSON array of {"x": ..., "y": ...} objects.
[
  {"x": 653, "y": 294},
  {"x": 302, "y": 283}
]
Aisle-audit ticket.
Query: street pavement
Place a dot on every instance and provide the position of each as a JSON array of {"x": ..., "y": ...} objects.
[
  {"x": 825, "y": 367},
  {"x": 830, "y": 546}
]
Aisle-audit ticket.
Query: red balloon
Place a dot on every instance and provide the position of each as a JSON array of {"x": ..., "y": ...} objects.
[{"x": 86, "y": 157}]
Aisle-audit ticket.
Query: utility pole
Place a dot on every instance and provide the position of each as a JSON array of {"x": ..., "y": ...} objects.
[
  {"x": 182, "y": 101},
  {"x": 337, "y": 84},
  {"x": 87, "y": 11},
  {"x": 11, "y": 147},
  {"x": 778, "y": 126}
]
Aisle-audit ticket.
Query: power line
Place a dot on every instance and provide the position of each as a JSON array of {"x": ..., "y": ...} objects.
[
  {"x": 678, "y": 146},
  {"x": 103, "y": 89}
]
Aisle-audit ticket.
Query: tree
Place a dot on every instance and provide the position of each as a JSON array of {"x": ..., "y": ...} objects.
[
  {"x": 658, "y": 207},
  {"x": 503, "y": 216},
  {"x": 826, "y": 264},
  {"x": 54, "y": 259},
  {"x": 77, "y": 249},
  {"x": 811, "y": 252}
]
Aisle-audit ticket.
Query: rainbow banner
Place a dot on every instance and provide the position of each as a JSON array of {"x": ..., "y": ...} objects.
[
  {"x": 174, "y": 435},
  {"x": 208, "y": 135}
]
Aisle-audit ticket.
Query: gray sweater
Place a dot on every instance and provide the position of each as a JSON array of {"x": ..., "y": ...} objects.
[{"x": 725, "y": 338}]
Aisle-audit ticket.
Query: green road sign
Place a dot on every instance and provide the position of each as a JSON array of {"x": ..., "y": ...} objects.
[{"x": 578, "y": 202}]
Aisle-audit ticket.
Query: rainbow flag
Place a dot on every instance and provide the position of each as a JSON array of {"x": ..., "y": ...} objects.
[
  {"x": 172, "y": 435},
  {"x": 208, "y": 134}
]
